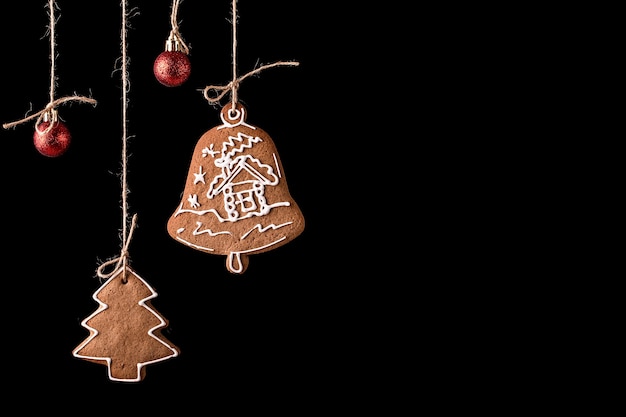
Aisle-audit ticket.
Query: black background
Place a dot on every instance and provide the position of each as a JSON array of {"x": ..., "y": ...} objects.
[
  {"x": 407, "y": 138},
  {"x": 394, "y": 134},
  {"x": 282, "y": 334}
]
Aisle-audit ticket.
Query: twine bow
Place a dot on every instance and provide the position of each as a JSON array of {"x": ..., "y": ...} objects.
[
  {"x": 214, "y": 93},
  {"x": 120, "y": 261}
]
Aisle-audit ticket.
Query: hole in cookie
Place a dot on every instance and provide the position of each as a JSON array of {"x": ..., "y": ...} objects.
[{"x": 233, "y": 114}]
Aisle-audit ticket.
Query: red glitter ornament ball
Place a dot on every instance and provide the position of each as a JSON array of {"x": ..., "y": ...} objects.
[
  {"x": 172, "y": 68},
  {"x": 54, "y": 142}
]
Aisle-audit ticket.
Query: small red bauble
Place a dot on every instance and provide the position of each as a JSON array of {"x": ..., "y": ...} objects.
[
  {"x": 172, "y": 68},
  {"x": 54, "y": 142}
]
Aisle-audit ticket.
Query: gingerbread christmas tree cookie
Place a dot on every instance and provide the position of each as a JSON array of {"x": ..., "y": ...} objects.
[{"x": 125, "y": 331}]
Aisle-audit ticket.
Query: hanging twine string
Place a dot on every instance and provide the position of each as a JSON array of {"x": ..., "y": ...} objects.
[
  {"x": 122, "y": 260},
  {"x": 50, "y": 108},
  {"x": 174, "y": 33},
  {"x": 214, "y": 93}
]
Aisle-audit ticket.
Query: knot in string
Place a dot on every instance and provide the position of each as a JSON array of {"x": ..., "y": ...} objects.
[
  {"x": 214, "y": 93},
  {"x": 50, "y": 109},
  {"x": 120, "y": 261}
]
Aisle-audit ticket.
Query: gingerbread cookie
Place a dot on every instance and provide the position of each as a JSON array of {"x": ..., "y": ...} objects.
[
  {"x": 236, "y": 201},
  {"x": 125, "y": 331}
]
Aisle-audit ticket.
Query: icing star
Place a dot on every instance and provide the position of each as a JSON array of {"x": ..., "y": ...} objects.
[
  {"x": 199, "y": 177},
  {"x": 207, "y": 151}
]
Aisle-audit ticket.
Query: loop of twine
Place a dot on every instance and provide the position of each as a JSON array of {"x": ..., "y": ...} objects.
[{"x": 119, "y": 261}]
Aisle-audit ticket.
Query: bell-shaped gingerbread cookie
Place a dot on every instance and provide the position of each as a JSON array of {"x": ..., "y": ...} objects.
[{"x": 236, "y": 201}]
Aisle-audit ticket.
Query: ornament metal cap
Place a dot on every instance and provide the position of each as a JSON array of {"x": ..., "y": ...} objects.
[
  {"x": 172, "y": 43},
  {"x": 51, "y": 115}
]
